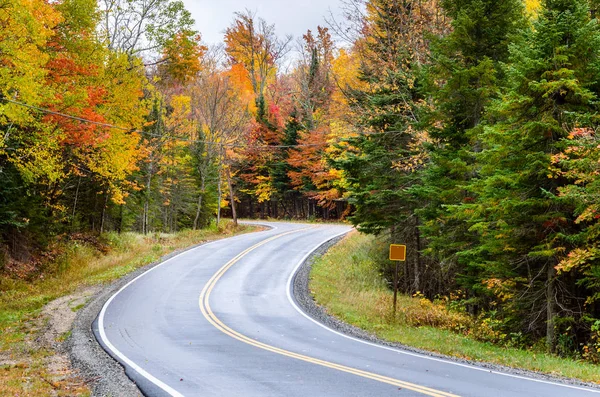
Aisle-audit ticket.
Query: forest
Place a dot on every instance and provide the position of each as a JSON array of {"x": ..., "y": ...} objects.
[{"x": 463, "y": 128}]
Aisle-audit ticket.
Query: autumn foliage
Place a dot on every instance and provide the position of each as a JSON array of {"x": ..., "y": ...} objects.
[{"x": 465, "y": 129}]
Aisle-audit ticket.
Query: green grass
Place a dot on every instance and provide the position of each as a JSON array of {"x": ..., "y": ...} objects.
[
  {"x": 78, "y": 266},
  {"x": 63, "y": 337},
  {"x": 346, "y": 281},
  {"x": 78, "y": 307}
]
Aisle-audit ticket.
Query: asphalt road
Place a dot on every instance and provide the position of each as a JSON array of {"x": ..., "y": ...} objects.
[{"x": 219, "y": 320}]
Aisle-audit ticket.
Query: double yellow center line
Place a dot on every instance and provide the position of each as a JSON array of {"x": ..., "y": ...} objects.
[{"x": 214, "y": 320}]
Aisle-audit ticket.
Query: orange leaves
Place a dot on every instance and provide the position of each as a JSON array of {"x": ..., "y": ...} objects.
[
  {"x": 310, "y": 164},
  {"x": 576, "y": 258},
  {"x": 54, "y": 60},
  {"x": 242, "y": 86},
  {"x": 78, "y": 133},
  {"x": 183, "y": 54},
  {"x": 242, "y": 40},
  {"x": 251, "y": 42}
]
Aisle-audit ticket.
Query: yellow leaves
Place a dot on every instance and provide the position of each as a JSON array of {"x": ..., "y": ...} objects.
[
  {"x": 263, "y": 189},
  {"x": 588, "y": 214},
  {"x": 179, "y": 121},
  {"x": 576, "y": 258},
  {"x": 224, "y": 202},
  {"x": 183, "y": 55},
  {"x": 26, "y": 26},
  {"x": 503, "y": 289},
  {"x": 345, "y": 68},
  {"x": 335, "y": 174},
  {"x": 124, "y": 81},
  {"x": 181, "y": 105},
  {"x": 58, "y": 65},
  {"x": 419, "y": 156},
  {"x": 532, "y": 7},
  {"x": 39, "y": 162},
  {"x": 118, "y": 197}
]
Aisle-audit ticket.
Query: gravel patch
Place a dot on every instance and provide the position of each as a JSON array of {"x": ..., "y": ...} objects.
[
  {"x": 104, "y": 375},
  {"x": 304, "y": 299}
]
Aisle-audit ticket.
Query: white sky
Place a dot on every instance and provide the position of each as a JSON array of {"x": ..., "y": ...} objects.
[{"x": 293, "y": 17}]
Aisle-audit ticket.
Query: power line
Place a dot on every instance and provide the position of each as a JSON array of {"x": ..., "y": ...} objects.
[
  {"x": 65, "y": 115},
  {"x": 190, "y": 140}
]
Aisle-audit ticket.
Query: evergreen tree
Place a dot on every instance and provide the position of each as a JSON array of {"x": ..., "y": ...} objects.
[
  {"x": 382, "y": 166},
  {"x": 388, "y": 107},
  {"x": 279, "y": 172},
  {"x": 523, "y": 228},
  {"x": 465, "y": 75}
]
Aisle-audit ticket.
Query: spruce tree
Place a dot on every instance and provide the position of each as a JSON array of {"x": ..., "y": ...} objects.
[
  {"x": 387, "y": 107},
  {"x": 523, "y": 228},
  {"x": 387, "y": 155},
  {"x": 464, "y": 78},
  {"x": 282, "y": 184}
]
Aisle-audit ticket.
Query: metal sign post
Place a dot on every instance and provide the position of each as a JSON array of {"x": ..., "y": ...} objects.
[{"x": 398, "y": 254}]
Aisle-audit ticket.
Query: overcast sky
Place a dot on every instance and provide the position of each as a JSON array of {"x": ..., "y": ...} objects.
[{"x": 289, "y": 16}]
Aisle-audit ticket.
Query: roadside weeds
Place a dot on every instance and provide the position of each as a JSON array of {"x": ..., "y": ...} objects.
[{"x": 351, "y": 296}]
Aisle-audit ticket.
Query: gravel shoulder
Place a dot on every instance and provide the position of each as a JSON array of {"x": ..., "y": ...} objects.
[
  {"x": 104, "y": 375},
  {"x": 305, "y": 300}
]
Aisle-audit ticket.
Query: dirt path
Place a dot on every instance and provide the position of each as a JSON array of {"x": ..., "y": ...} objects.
[{"x": 50, "y": 330}]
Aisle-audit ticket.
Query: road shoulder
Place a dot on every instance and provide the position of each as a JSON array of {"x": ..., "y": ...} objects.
[
  {"x": 305, "y": 300},
  {"x": 103, "y": 374}
]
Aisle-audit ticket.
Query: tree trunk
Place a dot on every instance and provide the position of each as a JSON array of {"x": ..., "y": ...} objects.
[
  {"x": 103, "y": 214},
  {"x": 286, "y": 211},
  {"x": 295, "y": 208},
  {"x": 93, "y": 217},
  {"x": 199, "y": 207},
  {"x": 550, "y": 309},
  {"x": 174, "y": 213},
  {"x": 231, "y": 196},
  {"x": 75, "y": 203},
  {"x": 165, "y": 219},
  {"x": 220, "y": 194},
  {"x": 121, "y": 216},
  {"x": 145, "y": 216},
  {"x": 417, "y": 270}
]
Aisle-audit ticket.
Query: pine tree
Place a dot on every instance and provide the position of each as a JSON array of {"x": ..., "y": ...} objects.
[{"x": 388, "y": 105}]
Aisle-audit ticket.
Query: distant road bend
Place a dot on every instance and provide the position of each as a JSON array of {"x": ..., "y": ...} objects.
[{"x": 219, "y": 320}]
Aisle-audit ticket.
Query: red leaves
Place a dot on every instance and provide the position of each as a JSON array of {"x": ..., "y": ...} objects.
[
  {"x": 79, "y": 133},
  {"x": 310, "y": 161},
  {"x": 64, "y": 70}
]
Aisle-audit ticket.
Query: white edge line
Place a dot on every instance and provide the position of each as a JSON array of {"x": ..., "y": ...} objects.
[
  {"x": 408, "y": 353},
  {"x": 168, "y": 389}
]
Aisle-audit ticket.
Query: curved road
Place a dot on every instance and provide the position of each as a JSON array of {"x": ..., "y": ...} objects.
[{"x": 218, "y": 320}]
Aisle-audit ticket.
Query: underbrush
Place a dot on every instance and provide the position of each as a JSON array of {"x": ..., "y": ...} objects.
[
  {"x": 348, "y": 283},
  {"x": 76, "y": 262}
]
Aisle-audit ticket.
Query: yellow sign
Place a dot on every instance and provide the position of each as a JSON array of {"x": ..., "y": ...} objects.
[{"x": 397, "y": 252}]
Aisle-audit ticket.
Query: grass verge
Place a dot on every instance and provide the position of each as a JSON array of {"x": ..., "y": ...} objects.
[
  {"x": 29, "y": 368},
  {"x": 347, "y": 283}
]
